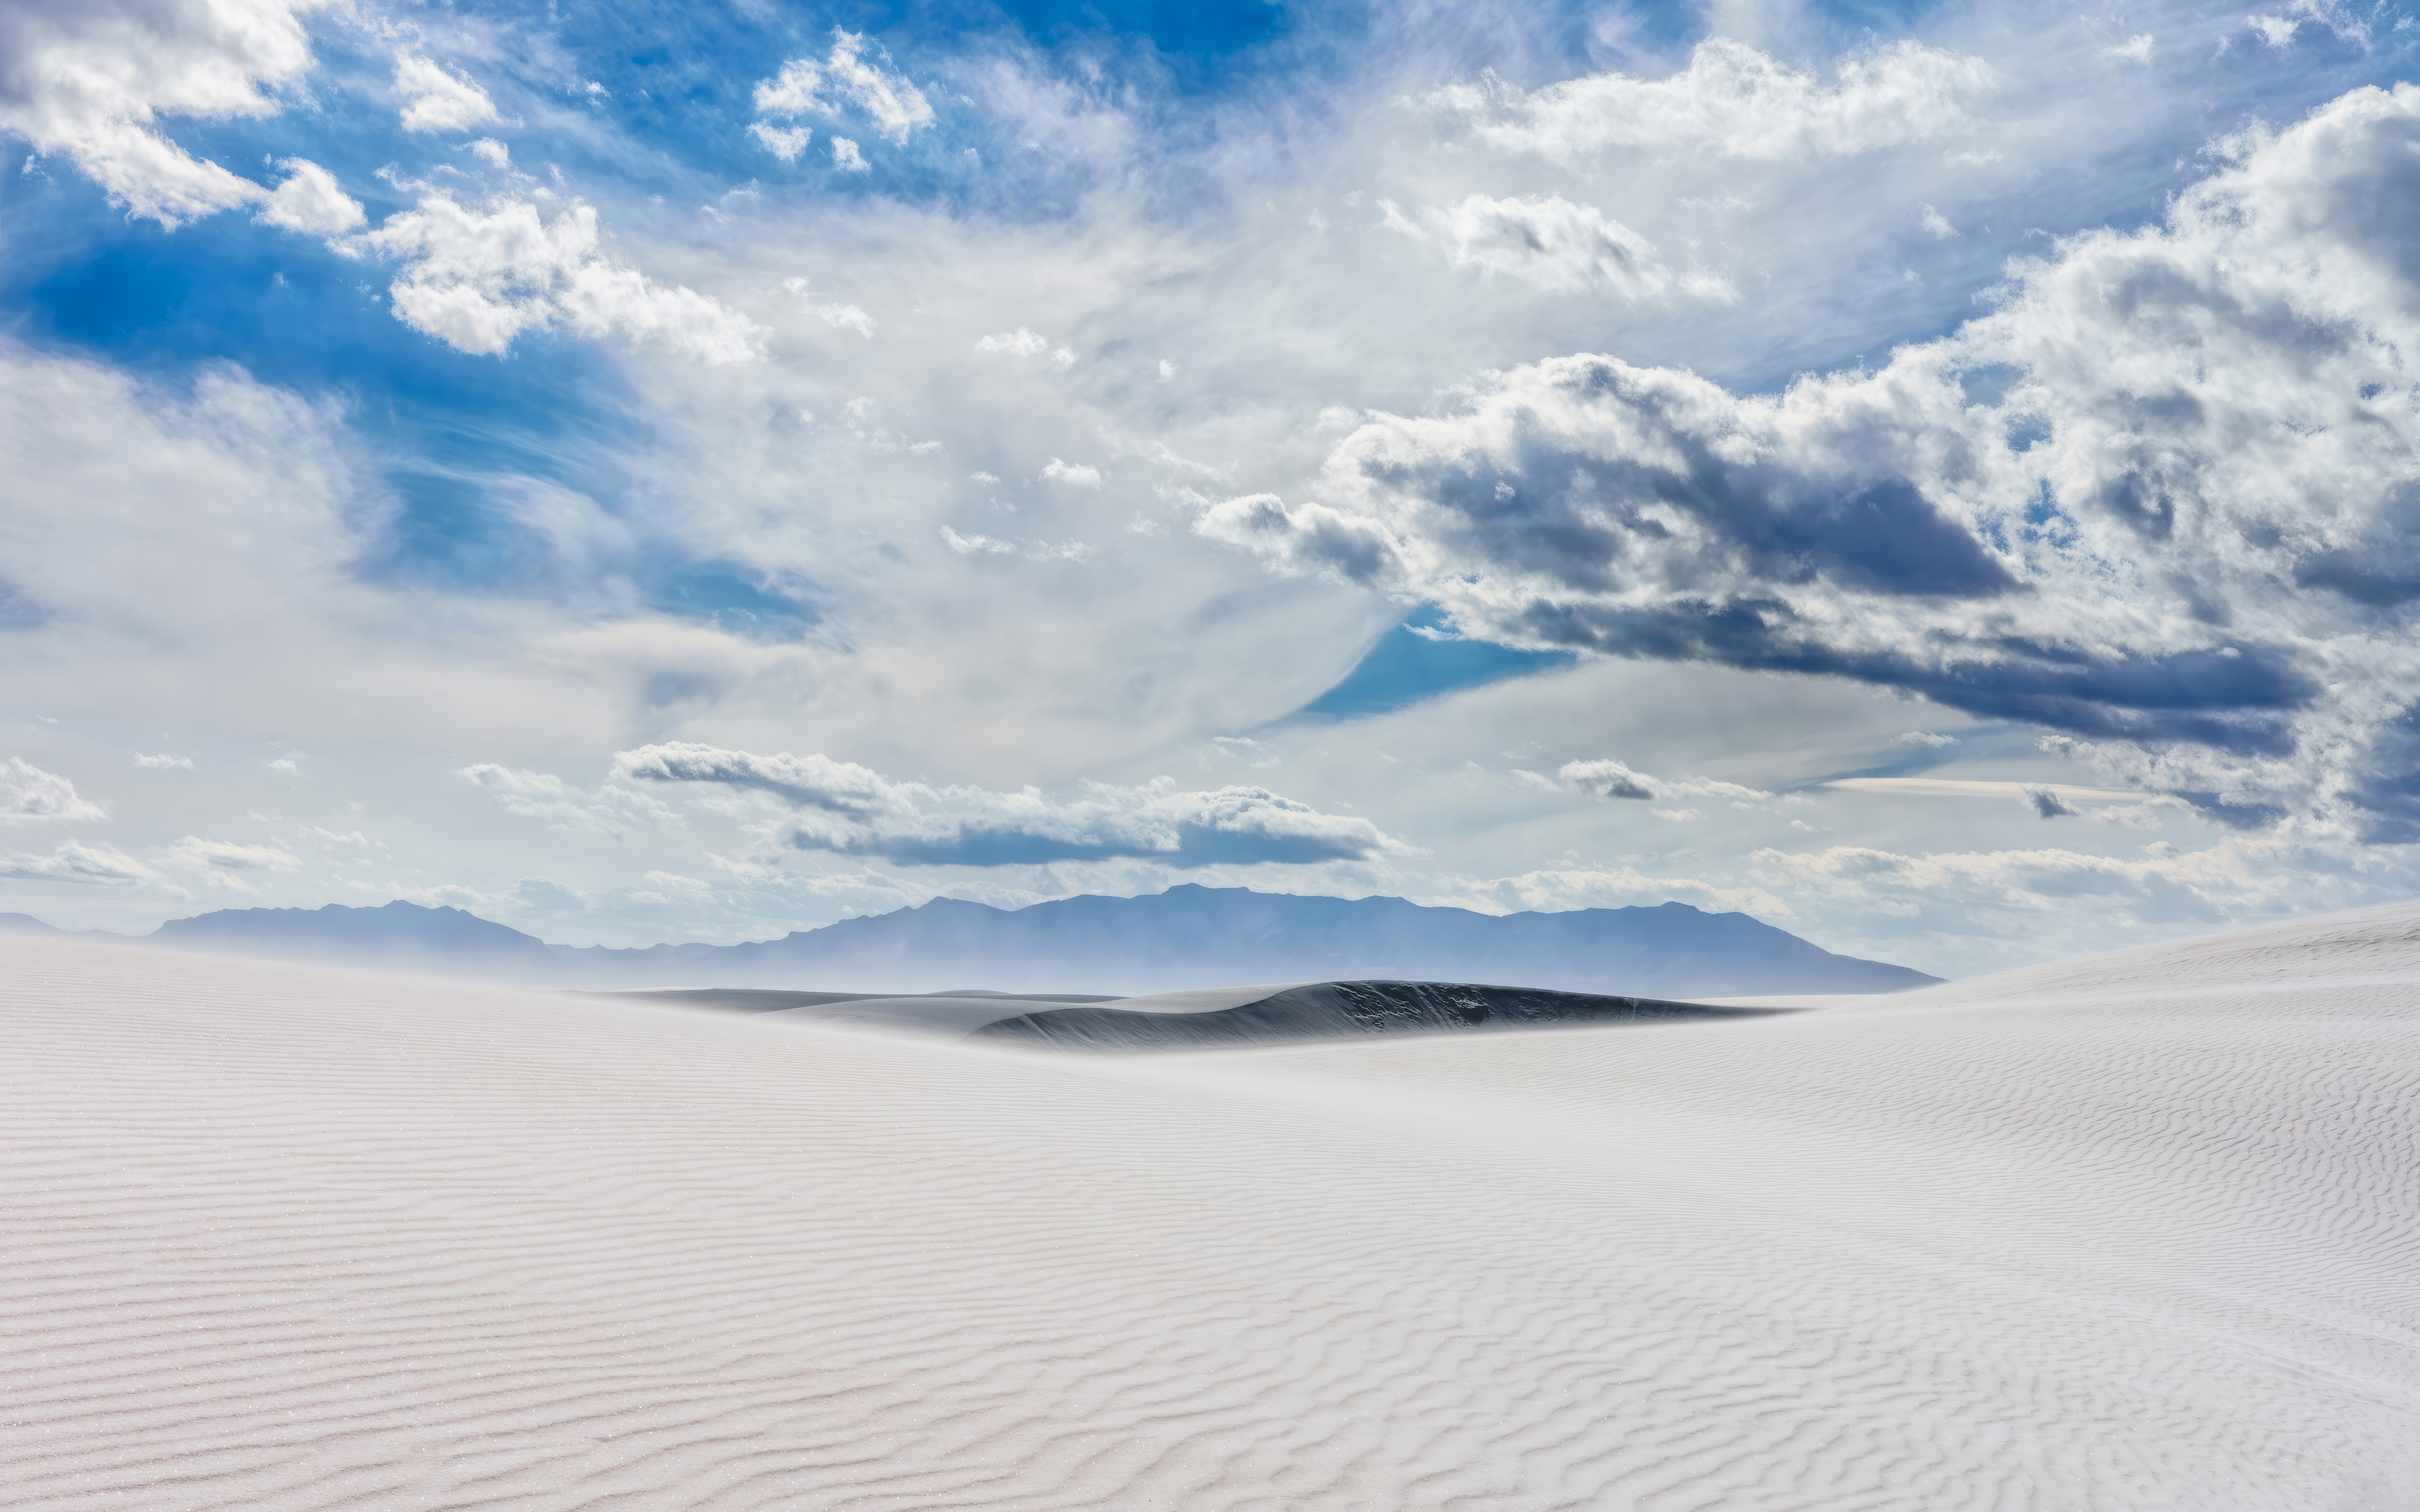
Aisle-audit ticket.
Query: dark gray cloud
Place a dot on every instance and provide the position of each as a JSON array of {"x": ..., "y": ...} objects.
[
  {"x": 2163, "y": 500},
  {"x": 2047, "y": 803}
]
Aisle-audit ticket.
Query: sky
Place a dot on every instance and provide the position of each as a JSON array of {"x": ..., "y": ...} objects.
[{"x": 1943, "y": 480}]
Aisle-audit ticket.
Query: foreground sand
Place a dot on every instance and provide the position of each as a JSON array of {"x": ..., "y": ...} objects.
[{"x": 2136, "y": 1233}]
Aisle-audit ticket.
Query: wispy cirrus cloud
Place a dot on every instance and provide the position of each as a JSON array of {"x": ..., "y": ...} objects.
[
  {"x": 1733, "y": 101},
  {"x": 80, "y": 865}
]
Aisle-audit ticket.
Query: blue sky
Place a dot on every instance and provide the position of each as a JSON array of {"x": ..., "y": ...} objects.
[{"x": 1940, "y": 479}]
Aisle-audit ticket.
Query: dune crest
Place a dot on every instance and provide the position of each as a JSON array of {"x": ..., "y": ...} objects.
[{"x": 2137, "y": 1233}]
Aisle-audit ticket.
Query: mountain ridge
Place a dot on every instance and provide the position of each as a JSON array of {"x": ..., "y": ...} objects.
[{"x": 1189, "y": 935}]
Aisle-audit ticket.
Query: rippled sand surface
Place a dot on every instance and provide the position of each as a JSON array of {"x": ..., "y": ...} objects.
[{"x": 2139, "y": 1232}]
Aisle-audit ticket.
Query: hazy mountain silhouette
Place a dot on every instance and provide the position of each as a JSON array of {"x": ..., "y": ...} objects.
[
  {"x": 400, "y": 933},
  {"x": 1188, "y": 937}
]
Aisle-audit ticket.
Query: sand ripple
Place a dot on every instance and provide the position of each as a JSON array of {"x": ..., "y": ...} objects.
[{"x": 2136, "y": 1234}]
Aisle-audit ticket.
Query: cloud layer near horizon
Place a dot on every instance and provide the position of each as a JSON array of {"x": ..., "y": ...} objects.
[{"x": 850, "y": 810}]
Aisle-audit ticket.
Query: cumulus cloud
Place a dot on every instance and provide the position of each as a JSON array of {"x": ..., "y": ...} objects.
[
  {"x": 163, "y": 761},
  {"x": 1734, "y": 101},
  {"x": 851, "y": 76},
  {"x": 843, "y": 807},
  {"x": 436, "y": 99},
  {"x": 1075, "y": 474},
  {"x": 1615, "y": 779},
  {"x": 91, "y": 865},
  {"x": 92, "y": 80},
  {"x": 477, "y": 278},
  {"x": 311, "y": 201},
  {"x": 2185, "y": 533},
  {"x": 1553, "y": 243},
  {"x": 785, "y": 142},
  {"x": 28, "y": 793},
  {"x": 846, "y": 158}
]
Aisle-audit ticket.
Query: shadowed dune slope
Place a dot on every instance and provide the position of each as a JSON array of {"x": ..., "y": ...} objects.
[
  {"x": 1335, "y": 1010},
  {"x": 2130, "y": 1235}
]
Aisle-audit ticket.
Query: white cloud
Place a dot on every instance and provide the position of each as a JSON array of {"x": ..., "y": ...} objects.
[
  {"x": 2279, "y": 31},
  {"x": 785, "y": 142},
  {"x": 846, "y": 317},
  {"x": 90, "y": 865},
  {"x": 846, "y": 78},
  {"x": 436, "y": 100},
  {"x": 1992, "y": 889},
  {"x": 843, "y": 807},
  {"x": 1547, "y": 241},
  {"x": 163, "y": 761},
  {"x": 2135, "y": 49},
  {"x": 476, "y": 279},
  {"x": 1073, "y": 474},
  {"x": 92, "y": 80},
  {"x": 230, "y": 855},
  {"x": 28, "y": 793},
  {"x": 1167, "y": 370},
  {"x": 1936, "y": 225},
  {"x": 1560, "y": 888},
  {"x": 1026, "y": 342},
  {"x": 311, "y": 201},
  {"x": 1931, "y": 738},
  {"x": 990, "y": 545},
  {"x": 846, "y": 158},
  {"x": 1615, "y": 779},
  {"x": 492, "y": 152},
  {"x": 1736, "y": 101},
  {"x": 978, "y": 546}
]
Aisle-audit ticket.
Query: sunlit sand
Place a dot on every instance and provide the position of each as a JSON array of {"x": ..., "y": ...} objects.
[{"x": 2137, "y": 1232}]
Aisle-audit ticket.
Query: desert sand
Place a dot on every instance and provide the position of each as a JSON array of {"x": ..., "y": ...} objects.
[{"x": 2139, "y": 1232}]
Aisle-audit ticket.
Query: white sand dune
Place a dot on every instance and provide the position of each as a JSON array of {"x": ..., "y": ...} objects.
[{"x": 2136, "y": 1233}]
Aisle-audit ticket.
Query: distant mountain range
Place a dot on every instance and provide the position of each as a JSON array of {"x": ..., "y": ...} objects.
[{"x": 1188, "y": 937}]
